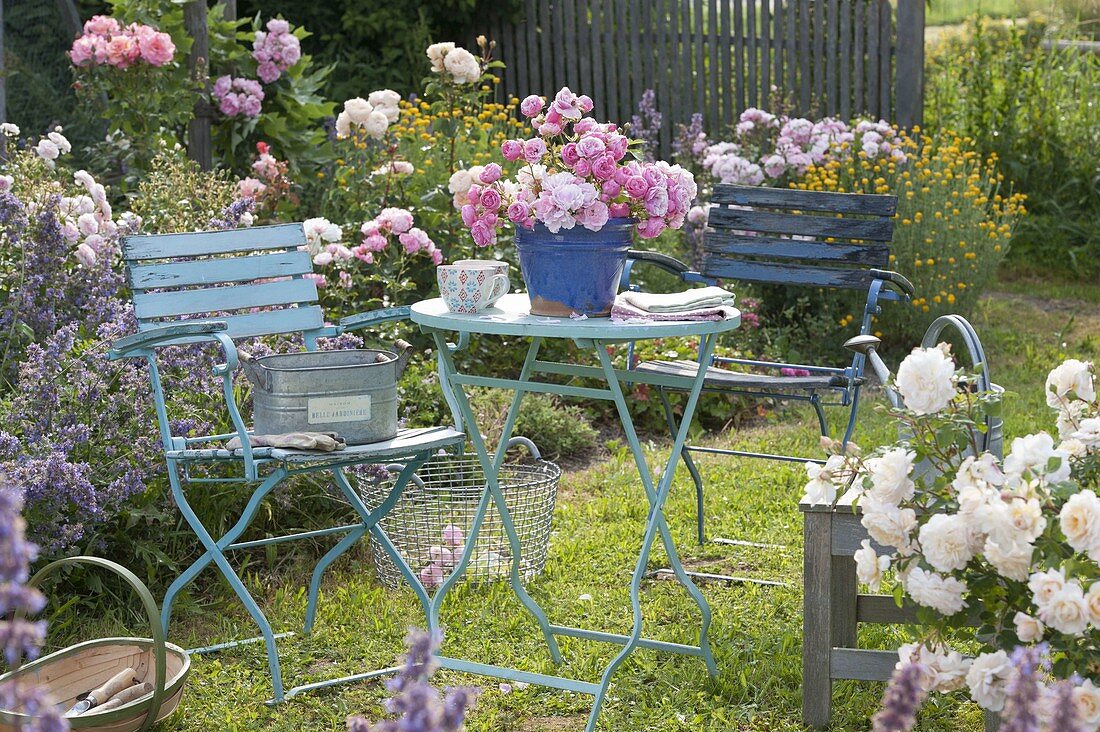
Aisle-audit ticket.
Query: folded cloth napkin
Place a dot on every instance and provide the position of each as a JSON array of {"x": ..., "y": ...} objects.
[
  {"x": 322, "y": 441},
  {"x": 622, "y": 310},
  {"x": 679, "y": 302}
]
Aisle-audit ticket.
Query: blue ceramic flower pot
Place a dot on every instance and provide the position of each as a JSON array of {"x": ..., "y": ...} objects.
[{"x": 575, "y": 270}]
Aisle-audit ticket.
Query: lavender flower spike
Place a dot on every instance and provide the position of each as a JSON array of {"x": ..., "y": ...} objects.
[
  {"x": 901, "y": 701},
  {"x": 1021, "y": 712},
  {"x": 1063, "y": 711}
]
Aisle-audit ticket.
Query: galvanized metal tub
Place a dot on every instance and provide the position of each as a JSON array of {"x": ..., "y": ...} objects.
[{"x": 352, "y": 393}]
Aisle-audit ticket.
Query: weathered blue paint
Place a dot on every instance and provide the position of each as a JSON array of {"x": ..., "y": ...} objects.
[{"x": 574, "y": 270}]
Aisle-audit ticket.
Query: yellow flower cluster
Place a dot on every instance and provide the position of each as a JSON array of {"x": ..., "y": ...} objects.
[
  {"x": 486, "y": 127},
  {"x": 952, "y": 223}
]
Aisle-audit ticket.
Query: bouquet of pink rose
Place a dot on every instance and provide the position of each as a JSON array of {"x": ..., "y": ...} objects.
[{"x": 574, "y": 171}]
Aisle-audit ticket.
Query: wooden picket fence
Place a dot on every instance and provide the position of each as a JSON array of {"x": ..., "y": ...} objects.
[{"x": 843, "y": 58}]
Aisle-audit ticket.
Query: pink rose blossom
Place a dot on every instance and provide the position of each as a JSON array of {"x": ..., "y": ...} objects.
[
  {"x": 531, "y": 106},
  {"x": 585, "y": 103},
  {"x": 585, "y": 125},
  {"x": 619, "y": 210},
  {"x": 491, "y": 173},
  {"x": 590, "y": 146},
  {"x": 436, "y": 255},
  {"x": 157, "y": 49},
  {"x": 83, "y": 50},
  {"x": 604, "y": 167},
  {"x": 318, "y": 279},
  {"x": 611, "y": 188},
  {"x": 490, "y": 199},
  {"x": 582, "y": 168},
  {"x": 593, "y": 216},
  {"x": 122, "y": 50},
  {"x": 484, "y": 235},
  {"x": 101, "y": 25},
  {"x": 569, "y": 154},
  {"x": 650, "y": 228},
  {"x": 518, "y": 212},
  {"x": 512, "y": 150},
  {"x": 637, "y": 187},
  {"x": 469, "y": 214},
  {"x": 549, "y": 129},
  {"x": 534, "y": 150}
]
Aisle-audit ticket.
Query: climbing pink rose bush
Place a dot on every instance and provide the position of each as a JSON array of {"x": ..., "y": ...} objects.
[
  {"x": 574, "y": 171},
  {"x": 1013, "y": 542},
  {"x": 766, "y": 149},
  {"x": 238, "y": 97},
  {"x": 106, "y": 42},
  {"x": 275, "y": 50}
]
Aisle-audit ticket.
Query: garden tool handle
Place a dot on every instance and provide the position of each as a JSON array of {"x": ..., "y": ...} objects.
[
  {"x": 255, "y": 372},
  {"x": 404, "y": 353},
  {"x": 151, "y": 611}
]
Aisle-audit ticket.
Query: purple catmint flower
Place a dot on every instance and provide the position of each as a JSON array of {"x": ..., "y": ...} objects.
[
  {"x": 1021, "y": 712},
  {"x": 1063, "y": 710},
  {"x": 417, "y": 704},
  {"x": 21, "y": 639},
  {"x": 901, "y": 701},
  {"x": 646, "y": 124},
  {"x": 232, "y": 215}
]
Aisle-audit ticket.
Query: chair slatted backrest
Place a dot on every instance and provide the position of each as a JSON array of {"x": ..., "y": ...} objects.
[
  {"x": 250, "y": 278},
  {"x": 787, "y": 237}
]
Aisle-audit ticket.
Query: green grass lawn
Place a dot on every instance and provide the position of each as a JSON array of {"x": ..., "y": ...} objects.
[
  {"x": 756, "y": 632},
  {"x": 952, "y": 12}
]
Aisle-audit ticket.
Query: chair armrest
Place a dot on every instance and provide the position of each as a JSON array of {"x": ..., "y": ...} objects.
[
  {"x": 124, "y": 347},
  {"x": 899, "y": 281},
  {"x": 664, "y": 261},
  {"x": 374, "y": 317}
]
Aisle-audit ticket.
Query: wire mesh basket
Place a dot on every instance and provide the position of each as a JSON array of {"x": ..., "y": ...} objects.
[{"x": 430, "y": 522}]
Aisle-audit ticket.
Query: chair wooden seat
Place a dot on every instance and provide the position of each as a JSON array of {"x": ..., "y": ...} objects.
[
  {"x": 407, "y": 441},
  {"x": 725, "y": 379}
]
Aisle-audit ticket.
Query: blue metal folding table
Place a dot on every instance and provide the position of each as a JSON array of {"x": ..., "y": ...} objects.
[{"x": 511, "y": 317}]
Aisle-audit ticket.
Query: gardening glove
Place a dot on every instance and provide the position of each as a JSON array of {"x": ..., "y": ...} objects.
[{"x": 322, "y": 441}]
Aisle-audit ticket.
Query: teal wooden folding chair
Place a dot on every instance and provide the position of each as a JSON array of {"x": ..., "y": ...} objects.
[
  {"x": 772, "y": 236},
  {"x": 217, "y": 287}
]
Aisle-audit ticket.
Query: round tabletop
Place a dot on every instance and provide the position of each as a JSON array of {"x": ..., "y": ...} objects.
[{"x": 512, "y": 316}]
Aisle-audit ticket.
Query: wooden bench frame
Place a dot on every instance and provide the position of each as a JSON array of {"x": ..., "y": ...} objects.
[{"x": 833, "y": 607}]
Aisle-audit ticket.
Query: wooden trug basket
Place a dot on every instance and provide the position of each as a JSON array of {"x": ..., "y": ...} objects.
[{"x": 71, "y": 672}]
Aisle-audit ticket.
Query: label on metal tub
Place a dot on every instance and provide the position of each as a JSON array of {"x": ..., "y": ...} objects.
[{"x": 323, "y": 410}]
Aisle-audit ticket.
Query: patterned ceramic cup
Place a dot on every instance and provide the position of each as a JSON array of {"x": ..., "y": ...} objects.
[
  {"x": 500, "y": 268},
  {"x": 469, "y": 288}
]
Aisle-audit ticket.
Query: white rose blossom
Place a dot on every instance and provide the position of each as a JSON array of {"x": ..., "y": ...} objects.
[
  {"x": 1074, "y": 377},
  {"x": 822, "y": 489},
  {"x": 945, "y": 542},
  {"x": 944, "y": 669},
  {"x": 1080, "y": 522},
  {"x": 926, "y": 380},
  {"x": 988, "y": 680},
  {"x": 870, "y": 566},
  {"x": 1043, "y": 585},
  {"x": 1066, "y": 610},
  {"x": 436, "y": 52},
  {"x": 1086, "y": 698},
  {"x": 1032, "y": 455},
  {"x": 463, "y": 66},
  {"x": 1028, "y": 629},
  {"x": 888, "y": 524},
  {"x": 1092, "y": 602},
  {"x": 890, "y": 481},
  {"x": 1011, "y": 560},
  {"x": 1089, "y": 433},
  {"x": 942, "y": 594}
]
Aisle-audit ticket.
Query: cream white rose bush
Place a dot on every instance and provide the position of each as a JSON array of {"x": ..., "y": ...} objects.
[{"x": 1013, "y": 543}]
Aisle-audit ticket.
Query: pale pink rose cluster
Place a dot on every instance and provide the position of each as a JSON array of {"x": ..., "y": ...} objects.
[
  {"x": 766, "y": 147},
  {"x": 393, "y": 223},
  {"x": 573, "y": 172},
  {"x": 455, "y": 62},
  {"x": 86, "y": 219},
  {"x": 275, "y": 50},
  {"x": 105, "y": 42},
  {"x": 443, "y": 557},
  {"x": 238, "y": 96}
]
